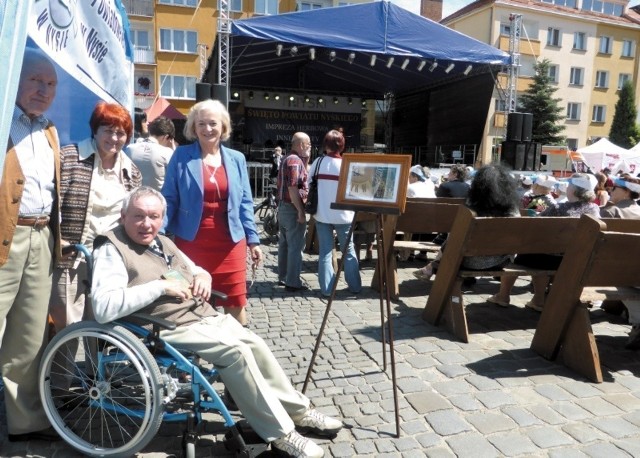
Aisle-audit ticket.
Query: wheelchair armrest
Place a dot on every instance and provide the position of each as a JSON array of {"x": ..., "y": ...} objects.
[
  {"x": 218, "y": 295},
  {"x": 149, "y": 319}
]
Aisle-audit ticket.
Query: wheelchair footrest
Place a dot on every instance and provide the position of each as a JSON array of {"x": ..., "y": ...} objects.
[{"x": 243, "y": 441}]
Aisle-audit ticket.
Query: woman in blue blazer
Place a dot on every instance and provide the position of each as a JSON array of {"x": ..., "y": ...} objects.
[{"x": 210, "y": 206}]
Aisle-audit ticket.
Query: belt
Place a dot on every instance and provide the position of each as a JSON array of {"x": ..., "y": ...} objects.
[{"x": 38, "y": 222}]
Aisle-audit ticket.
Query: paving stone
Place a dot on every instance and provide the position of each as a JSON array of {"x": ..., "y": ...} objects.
[
  {"x": 514, "y": 444},
  {"x": 427, "y": 402},
  {"x": 547, "y": 437},
  {"x": 472, "y": 444},
  {"x": 583, "y": 432},
  {"x": 490, "y": 422},
  {"x": 603, "y": 449},
  {"x": 547, "y": 414},
  {"x": 447, "y": 422},
  {"x": 571, "y": 411},
  {"x": 617, "y": 428},
  {"x": 599, "y": 407}
]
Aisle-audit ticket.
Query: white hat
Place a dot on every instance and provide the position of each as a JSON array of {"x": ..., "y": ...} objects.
[
  {"x": 627, "y": 184},
  {"x": 562, "y": 186},
  {"x": 418, "y": 172},
  {"x": 527, "y": 181},
  {"x": 586, "y": 182},
  {"x": 546, "y": 181}
]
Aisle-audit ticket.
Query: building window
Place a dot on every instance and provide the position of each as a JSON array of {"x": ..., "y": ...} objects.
[
  {"x": 505, "y": 29},
  {"x": 602, "y": 79},
  {"x": 599, "y": 113},
  {"x": 553, "y": 37},
  {"x": 623, "y": 78},
  {"x": 573, "y": 111},
  {"x": 306, "y": 6},
  {"x": 192, "y": 3},
  {"x": 501, "y": 105},
  {"x": 178, "y": 87},
  {"x": 234, "y": 5},
  {"x": 553, "y": 73},
  {"x": 612, "y": 9},
  {"x": 605, "y": 45},
  {"x": 579, "y": 41},
  {"x": 568, "y": 3},
  {"x": 178, "y": 40},
  {"x": 572, "y": 144},
  {"x": 266, "y": 6},
  {"x": 576, "y": 76},
  {"x": 628, "y": 48}
]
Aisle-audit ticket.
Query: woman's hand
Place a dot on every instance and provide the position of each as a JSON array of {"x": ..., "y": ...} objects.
[{"x": 256, "y": 255}]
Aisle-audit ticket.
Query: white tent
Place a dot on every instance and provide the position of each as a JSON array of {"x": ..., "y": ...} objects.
[{"x": 603, "y": 154}]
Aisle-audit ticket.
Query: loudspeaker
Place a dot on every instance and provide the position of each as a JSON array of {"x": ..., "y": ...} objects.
[
  {"x": 533, "y": 153},
  {"x": 514, "y": 127},
  {"x": 220, "y": 93},
  {"x": 513, "y": 155},
  {"x": 527, "y": 127},
  {"x": 203, "y": 91}
]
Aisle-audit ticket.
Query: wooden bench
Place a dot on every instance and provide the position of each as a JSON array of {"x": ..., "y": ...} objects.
[
  {"x": 598, "y": 261},
  {"x": 421, "y": 216},
  {"x": 490, "y": 236}
]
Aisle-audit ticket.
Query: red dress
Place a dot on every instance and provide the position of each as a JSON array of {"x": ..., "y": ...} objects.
[{"x": 213, "y": 249}]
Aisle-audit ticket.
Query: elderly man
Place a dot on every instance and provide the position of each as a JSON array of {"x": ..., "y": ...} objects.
[
  {"x": 292, "y": 193},
  {"x": 133, "y": 262},
  {"x": 28, "y": 226}
]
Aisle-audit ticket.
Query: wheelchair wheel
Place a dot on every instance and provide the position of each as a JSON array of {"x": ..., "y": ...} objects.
[{"x": 101, "y": 389}]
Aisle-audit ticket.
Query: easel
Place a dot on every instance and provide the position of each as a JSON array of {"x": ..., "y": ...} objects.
[{"x": 384, "y": 294}]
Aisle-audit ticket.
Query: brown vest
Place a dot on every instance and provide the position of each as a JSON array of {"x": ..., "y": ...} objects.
[
  {"x": 11, "y": 188},
  {"x": 143, "y": 266}
]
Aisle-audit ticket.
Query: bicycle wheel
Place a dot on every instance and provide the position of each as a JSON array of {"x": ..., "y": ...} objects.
[{"x": 101, "y": 389}]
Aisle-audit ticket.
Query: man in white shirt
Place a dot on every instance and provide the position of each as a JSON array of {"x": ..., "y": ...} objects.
[
  {"x": 419, "y": 183},
  {"x": 133, "y": 277}
]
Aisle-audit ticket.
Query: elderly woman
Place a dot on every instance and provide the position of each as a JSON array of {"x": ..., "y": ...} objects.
[
  {"x": 580, "y": 201},
  {"x": 210, "y": 206},
  {"x": 624, "y": 194},
  {"x": 329, "y": 220},
  {"x": 540, "y": 198},
  {"x": 96, "y": 176}
]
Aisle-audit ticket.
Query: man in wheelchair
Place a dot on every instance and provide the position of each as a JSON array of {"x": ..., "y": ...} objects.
[{"x": 138, "y": 269}]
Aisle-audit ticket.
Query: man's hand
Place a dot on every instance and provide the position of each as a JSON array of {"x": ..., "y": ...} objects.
[
  {"x": 201, "y": 286},
  {"x": 176, "y": 289}
]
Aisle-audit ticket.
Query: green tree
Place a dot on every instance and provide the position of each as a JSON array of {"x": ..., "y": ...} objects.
[
  {"x": 546, "y": 110},
  {"x": 624, "y": 131}
]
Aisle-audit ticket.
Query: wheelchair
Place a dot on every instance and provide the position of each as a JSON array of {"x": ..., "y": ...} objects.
[{"x": 107, "y": 388}]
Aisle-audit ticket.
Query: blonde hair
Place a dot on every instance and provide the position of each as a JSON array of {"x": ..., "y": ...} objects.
[{"x": 207, "y": 105}]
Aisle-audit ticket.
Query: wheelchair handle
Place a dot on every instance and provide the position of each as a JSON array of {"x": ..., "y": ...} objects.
[{"x": 80, "y": 248}]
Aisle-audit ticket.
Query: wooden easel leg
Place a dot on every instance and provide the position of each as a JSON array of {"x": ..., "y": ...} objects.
[
  {"x": 385, "y": 290},
  {"x": 345, "y": 248}
]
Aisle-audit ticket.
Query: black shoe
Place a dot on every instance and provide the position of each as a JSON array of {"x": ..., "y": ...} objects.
[
  {"x": 293, "y": 289},
  {"x": 48, "y": 435},
  {"x": 281, "y": 283}
]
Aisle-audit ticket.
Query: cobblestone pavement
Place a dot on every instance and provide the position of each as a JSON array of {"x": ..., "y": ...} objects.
[{"x": 488, "y": 398}]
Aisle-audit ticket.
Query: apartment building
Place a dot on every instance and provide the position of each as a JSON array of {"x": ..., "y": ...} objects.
[{"x": 592, "y": 46}]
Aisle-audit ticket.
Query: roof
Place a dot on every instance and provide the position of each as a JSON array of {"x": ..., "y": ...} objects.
[
  {"x": 162, "y": 107},
  {"x": 629, "y": 18},
  {"x": 344, "y": 40}
]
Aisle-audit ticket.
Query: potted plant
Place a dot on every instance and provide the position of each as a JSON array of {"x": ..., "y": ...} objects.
[{"x": 144, "y": 82}]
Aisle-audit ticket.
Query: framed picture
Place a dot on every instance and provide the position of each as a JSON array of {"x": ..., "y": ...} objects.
[{"x": 370, "y": 181}]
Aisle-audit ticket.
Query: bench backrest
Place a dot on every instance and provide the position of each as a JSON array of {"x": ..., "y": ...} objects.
[
  {"x": 422, "y": 217},
  {"x": 622, "y": 225}
]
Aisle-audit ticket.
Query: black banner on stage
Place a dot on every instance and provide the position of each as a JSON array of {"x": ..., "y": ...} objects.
[{"x": 263, "y": 124}]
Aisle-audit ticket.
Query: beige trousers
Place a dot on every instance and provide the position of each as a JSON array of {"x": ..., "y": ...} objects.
[
  {"x": 25, "y": 286},
  {"x": 249, "y": 371}
]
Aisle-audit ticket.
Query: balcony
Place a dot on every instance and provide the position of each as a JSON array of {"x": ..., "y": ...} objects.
[
  {"x": 143, "y": 100},
  {"x": 138, "y": 7},
  {"x": 143, "y": 55}
]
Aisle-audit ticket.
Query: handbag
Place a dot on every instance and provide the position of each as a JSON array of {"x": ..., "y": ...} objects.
[{"x": 311, "y": 206}]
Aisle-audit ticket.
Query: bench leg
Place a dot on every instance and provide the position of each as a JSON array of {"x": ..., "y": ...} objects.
[
  {"x": 578, "y": 350},
  {"x": 454, "y": 316}
]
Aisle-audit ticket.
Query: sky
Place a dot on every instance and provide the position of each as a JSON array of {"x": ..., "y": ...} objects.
[{"x": 451, "y": 6}]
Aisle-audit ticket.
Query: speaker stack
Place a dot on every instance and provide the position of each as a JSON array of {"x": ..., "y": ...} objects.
[
  {"x": 518, "y": 151},
  {"x": 203, "y": 91}
]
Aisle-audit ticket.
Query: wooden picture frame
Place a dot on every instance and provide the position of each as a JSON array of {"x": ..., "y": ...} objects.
[{"x": 373, "y": 181}]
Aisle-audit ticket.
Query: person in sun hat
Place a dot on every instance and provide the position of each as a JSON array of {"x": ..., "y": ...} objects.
[
  {"x": 419, "y": 183},
  {"x": 560, "y": 193},
  {"x": 540, "y": 198},
  {"x": 580, "y": 201},
  {"x": 624, "y": 194}
]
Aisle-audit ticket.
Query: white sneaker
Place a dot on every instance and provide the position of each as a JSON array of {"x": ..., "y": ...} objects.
[
  {"x": 317, "y": 423},
  {"x": 297, "y": 446}
]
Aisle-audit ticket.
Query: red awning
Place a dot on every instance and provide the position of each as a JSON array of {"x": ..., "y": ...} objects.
[{"x": 162, "y": 107}]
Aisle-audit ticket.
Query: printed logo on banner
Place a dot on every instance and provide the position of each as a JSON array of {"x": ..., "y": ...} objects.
[{"x": 89, "y": 41}]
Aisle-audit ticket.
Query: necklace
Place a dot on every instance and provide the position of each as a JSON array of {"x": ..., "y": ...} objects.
[{"x": 212, "y": 176}]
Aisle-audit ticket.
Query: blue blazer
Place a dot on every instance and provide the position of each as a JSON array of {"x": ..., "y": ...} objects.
[{"x": 184, "y": 191}]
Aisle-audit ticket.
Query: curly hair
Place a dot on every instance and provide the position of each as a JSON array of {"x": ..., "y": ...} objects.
[{"x": 493, "y": 192}]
